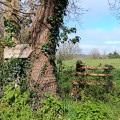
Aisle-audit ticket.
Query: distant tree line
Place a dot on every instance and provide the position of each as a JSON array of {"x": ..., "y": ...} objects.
[
  {"x": 68, "y": 51},
  {"x": 113, "y": 55},
  {"x": 95, "y": 54}
]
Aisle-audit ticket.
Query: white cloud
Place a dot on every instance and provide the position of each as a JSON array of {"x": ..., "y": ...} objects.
[
  {"x": 101, "y": 39},
  {"x": 112, "y": 42},
  {"x": 91, "y": 46}
]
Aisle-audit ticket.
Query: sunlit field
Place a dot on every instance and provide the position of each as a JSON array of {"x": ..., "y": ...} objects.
[{"x": 95, "y": 62}]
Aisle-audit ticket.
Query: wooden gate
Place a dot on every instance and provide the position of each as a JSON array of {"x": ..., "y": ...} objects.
[{"x": 83, "y": 71}]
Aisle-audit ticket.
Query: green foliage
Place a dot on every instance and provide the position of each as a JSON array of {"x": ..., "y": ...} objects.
[
  {"x": 15, "y": 105},
  {"x": 64, "y": 74},
  {"x": 10, "y": 28},
  {"x": 87, "y": 111},
  {"x": 113, "y": 109},
  {"x": 46, "y": 48},
  {"x": 14, "y": 102},
  {"x": 64, "y": 35},
  {"x": 113, "y": 55},
  {"x": 12, "y": 69},
  {"x": 52, "y": 109},
  {"x": 108, "y": 71},
  {"x": 98, "y": 92}
]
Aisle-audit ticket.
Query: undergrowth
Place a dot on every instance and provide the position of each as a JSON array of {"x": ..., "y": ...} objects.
[
  {"x": 93, "y": 102},
  {"x": 16, "y": 106}
]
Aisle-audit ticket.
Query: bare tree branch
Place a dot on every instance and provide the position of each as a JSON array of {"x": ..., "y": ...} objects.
[
  {"x": 10, "y": 6},
  {"x": 112, "y": 5}
]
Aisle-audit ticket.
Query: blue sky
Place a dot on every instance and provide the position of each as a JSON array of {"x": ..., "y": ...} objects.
[{"x": 99, "y": 28}]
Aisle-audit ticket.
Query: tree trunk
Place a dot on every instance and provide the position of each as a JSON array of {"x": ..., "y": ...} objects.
[{"x": 42, "y": 72}]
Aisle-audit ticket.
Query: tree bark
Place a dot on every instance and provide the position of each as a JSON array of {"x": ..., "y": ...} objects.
[{"x": 40, "y": 35}]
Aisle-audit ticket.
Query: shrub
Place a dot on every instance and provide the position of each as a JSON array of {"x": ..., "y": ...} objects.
[{"x": 113, "y": 55}]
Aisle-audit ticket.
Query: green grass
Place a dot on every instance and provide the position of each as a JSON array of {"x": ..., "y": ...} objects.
[{"x": 95, "y": 62}]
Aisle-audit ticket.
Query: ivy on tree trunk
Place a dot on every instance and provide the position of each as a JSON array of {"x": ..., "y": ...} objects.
[{"x": 45, "y": 36}]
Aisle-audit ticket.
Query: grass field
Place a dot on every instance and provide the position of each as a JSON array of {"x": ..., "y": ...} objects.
[{"x": 95, "y": 62}]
